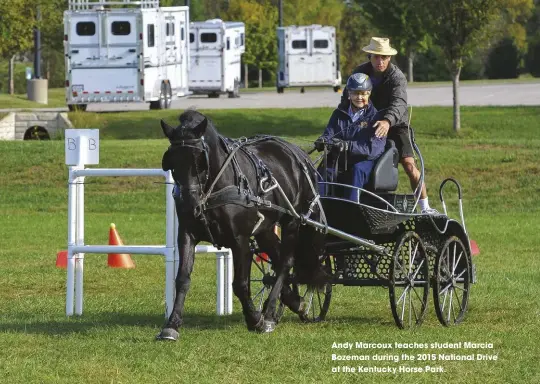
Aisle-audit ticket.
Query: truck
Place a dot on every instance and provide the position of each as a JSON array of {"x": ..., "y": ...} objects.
[
  {"x": 125, "y": 51},
  {"x": 216, "y": 49},
  {"x": 307, "y": 57}
]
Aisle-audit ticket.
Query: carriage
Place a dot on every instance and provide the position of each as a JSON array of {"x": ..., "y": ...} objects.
[
  {"x": 378, "y": 240},
  {"x": 230, "y": 191}
]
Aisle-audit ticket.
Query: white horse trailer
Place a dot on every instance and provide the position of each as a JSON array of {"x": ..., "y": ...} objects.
[
  {"x": 308, "y": 56},
  {"x": 138, "y": 53},
  {"x": 216, "y": 48}
]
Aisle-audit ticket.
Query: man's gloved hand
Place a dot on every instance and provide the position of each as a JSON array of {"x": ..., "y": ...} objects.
[
  {"x": 319, "y": 144},
  {"x": 338, "y": 145}
]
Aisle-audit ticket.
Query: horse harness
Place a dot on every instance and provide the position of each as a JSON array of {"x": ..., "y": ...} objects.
[{"x": 241, "y": 192}]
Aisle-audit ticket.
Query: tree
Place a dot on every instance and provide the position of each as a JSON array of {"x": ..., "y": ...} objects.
[
  {"x": 355, "y": 34},
  {"x": 401, "y": 21},
  {"x": 458, "y": 27},
  {"x": 307, "y": 12},
  {"x": 15, "y": 31},
  {"x": 260, "y": 19}
]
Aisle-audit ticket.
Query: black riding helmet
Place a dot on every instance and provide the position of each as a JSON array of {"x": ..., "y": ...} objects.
[{"x": 359, "y": 82}]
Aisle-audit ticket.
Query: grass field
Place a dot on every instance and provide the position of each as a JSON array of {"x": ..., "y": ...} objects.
[{"x": 495, "y": 158}]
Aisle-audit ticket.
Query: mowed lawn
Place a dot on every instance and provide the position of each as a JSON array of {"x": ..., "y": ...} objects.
[{"x": 495, "y": 158}]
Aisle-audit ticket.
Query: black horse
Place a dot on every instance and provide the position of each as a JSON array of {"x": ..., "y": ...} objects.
[{"x": 230, "y": 190}]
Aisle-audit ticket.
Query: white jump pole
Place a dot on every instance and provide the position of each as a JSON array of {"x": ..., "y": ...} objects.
[{"x": 82, "y": 147}]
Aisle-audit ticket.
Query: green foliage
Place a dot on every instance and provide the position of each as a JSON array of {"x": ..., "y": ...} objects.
[
  {"x": 355, "y": 33},
  {"x": 17, "y": 19},
  {"x": 503, "y": 61},
  {"x": 260, "y": 19}
]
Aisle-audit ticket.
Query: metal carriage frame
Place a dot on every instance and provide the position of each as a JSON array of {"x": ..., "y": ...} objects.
[{"x": 372, "y": 242}]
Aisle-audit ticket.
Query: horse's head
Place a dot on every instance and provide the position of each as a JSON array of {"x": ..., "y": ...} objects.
[{"x": 188, "y": 157}]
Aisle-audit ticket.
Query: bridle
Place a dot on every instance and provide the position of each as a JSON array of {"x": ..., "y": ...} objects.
[{"x": 202, "y": 182}]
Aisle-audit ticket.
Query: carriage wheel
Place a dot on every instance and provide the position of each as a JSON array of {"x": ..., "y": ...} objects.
[
  {"x": 452, "y": 282},
  {"x": 316, "y": 299},
  {"x": 262, "y": 280},
  {"x": 409, "y": 281}
]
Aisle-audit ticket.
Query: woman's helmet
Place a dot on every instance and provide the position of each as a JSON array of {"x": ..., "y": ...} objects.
[{"x": 359, "y": 82}]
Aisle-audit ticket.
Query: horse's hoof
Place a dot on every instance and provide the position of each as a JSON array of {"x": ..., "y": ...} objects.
[
  {"x": 267, "y": 327},
  {"x": 256, "y": 327},
  {"x": 303, "y": 311},
  {"x": 168, "y": 334}
]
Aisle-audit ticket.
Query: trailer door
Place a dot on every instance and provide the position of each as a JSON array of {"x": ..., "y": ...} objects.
[
  {"x": 298, "y": 56},
  {"x": 206, "y": 56},
  {"x": 103, "y": 54}
]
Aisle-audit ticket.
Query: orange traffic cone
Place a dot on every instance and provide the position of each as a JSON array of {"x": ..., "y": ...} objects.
[
  {"x": 118, "y": 260},
  {"x": 61, "y": 259},
  {"x": 474, "y": 248}
]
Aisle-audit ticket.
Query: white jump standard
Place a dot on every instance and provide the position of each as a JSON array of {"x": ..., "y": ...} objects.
[{"x": 82, "y": 147}]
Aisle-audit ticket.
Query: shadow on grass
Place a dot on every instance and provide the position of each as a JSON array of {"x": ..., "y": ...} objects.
[
  {"x": 90, "y": 323},
  {"x": 231, "y": 123}
]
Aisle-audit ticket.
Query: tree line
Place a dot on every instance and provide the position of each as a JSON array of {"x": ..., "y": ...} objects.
[{"x": 436, "y": 39}]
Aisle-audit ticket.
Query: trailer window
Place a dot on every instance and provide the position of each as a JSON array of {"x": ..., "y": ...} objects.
[
  {"x": 191, "y": 38},
  {"x": 228, "y": 43},
  {"x": 86, "y": 28},
  {"x": 242, "y": 39},
  {"x": 299, "y": 44},
  {"x": 169, "y": 29},
  {"x": 208, "y": 37},
  {"x": 320, "y": 44},
  {"x": 120, "y": 28},
  {"x": 182, "y": 36},
  {"x": 150, "y": 33}
]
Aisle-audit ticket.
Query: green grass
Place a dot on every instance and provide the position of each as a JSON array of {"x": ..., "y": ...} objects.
[
  {"x": 56, "y": 99},
  {"x": 495, "y": 159}
]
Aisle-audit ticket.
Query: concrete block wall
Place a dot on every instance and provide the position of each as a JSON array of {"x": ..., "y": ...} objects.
[{"x": 15, "y": 124}]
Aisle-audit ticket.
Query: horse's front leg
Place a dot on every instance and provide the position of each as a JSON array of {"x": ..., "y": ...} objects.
[
  {"x": 186, "y": 246},
  {"x": 286, "y": 257},
  {"x": 242, "y": 259}
]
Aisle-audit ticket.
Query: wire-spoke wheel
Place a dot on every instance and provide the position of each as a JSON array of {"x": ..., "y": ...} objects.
[
  {"x": 262, "y": 279},
  {"x": 452, "y": 282},
  {"x": 315, "y": 299},
  {"x": 409, "y": 281}
]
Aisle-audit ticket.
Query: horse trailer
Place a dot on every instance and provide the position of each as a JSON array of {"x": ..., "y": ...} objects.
[
  {"x": 136, "y": 53},
  {"x": 307, "y": 56},
  {"x": 216, "y": 48}
]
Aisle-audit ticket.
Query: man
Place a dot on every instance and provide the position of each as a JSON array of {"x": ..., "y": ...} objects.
[
  {"x": 351, "y": 137},
  {"x": 389, "y": 96}
]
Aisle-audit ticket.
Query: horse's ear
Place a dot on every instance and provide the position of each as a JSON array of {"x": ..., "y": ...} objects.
[
  {"x": 167, "y": 129},
  {"x": 201, "y": 128}
]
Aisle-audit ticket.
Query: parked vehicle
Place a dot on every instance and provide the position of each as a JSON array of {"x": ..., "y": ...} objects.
[
  {"x": 216, "y": 48},
  {"x": 308, "y": 56},
  {"x": 137, "y": 53}
]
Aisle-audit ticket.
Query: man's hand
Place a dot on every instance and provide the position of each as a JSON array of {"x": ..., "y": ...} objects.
[{"x": 382, "y": 127}]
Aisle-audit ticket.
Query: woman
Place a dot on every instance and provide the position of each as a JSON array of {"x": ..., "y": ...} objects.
[{"x": 351, "y": 138}]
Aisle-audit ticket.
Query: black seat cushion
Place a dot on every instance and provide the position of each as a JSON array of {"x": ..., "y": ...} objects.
[{"x": 384, "y": 176}]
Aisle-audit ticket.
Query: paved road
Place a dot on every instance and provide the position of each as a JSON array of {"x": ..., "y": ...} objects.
[{"x": 497, "y": 94}]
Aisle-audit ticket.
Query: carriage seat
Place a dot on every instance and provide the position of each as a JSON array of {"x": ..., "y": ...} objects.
[{"x": 384, "y": 176}]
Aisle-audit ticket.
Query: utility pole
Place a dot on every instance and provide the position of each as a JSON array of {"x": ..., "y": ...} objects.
[
  {"x": 37, "y": 46},
  {"x": 280, "y": 10}
]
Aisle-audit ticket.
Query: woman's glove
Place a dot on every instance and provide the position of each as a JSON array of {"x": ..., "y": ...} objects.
[
  {"x": 338, "y": 145},
  {"x": 319, "y": 144}
]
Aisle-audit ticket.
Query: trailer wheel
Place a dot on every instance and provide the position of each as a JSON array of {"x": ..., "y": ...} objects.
[
  {"x": 280, "y": 89},
  {"x": 165, "y": 95},
  {"x": 236, "y": 90},
  {"x": 302, "y": 90},
  {"x": 213, "y": 95},
  {"x": 337, "y": 88},
  {"x": 77, "y": 107}
]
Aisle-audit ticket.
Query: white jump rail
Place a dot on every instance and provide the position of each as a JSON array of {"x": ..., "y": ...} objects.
[{"x": 77, "y": 248}]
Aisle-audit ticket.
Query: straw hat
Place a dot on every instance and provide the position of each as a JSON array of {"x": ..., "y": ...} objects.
[{"x": 380, "y": 46}]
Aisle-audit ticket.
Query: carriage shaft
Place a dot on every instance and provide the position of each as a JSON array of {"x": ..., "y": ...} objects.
[{"x": 345, "y": 236}]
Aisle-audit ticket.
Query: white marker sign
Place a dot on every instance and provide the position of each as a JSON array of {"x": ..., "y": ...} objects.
[{"x": 82, "y": 146}]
